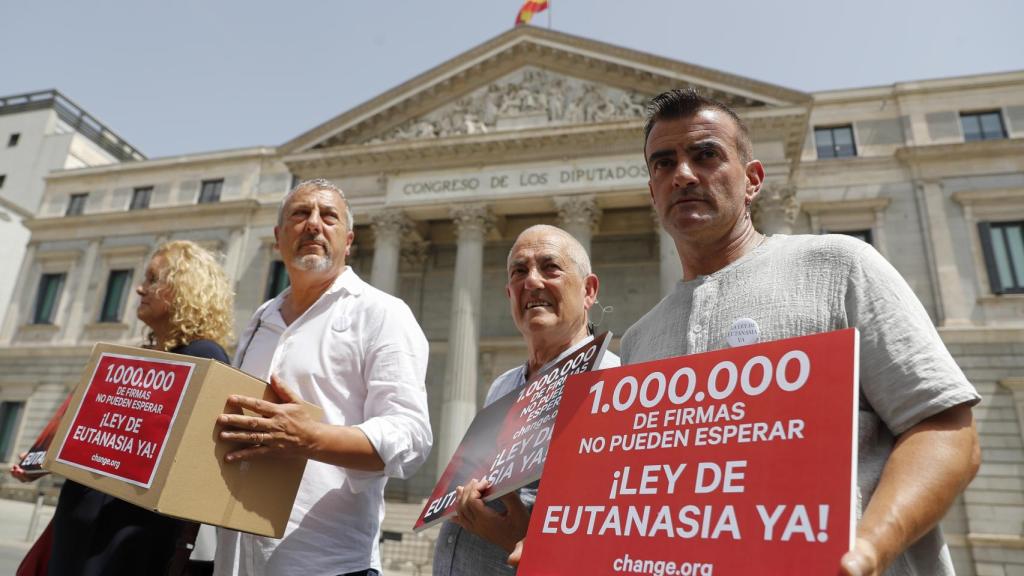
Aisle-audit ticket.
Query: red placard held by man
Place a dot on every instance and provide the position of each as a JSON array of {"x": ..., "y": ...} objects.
[
  {"x": 733, "y": 462},
  {"x": 126, "y": 414},
  {"x": 507, "y": 441}
]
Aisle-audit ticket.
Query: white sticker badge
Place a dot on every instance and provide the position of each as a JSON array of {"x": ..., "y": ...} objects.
[{"x": 744, "y": 331}]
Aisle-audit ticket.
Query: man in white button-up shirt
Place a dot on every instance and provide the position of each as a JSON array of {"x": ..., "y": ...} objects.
[{"x": 337, "y": 342}]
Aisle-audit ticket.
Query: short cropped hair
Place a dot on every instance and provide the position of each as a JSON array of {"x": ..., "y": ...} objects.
[
  {"x": 202, "y": 303},
  {"x": 686, "y": 103},
  {"x": 574, "y": 250},
  {"x": 316, "y": 184}
]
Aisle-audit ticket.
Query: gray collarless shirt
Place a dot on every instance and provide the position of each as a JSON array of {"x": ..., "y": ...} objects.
[{"x": 799, "y": 285}]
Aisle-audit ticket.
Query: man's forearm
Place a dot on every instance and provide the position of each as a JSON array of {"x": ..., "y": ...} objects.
[
  {"x": 929, "y": 467},
  {"x": 345, "y": 446}
]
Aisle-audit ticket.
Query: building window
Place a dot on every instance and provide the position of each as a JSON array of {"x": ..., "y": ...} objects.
[
  {"x": 835, "y": 142},
  {"x": 1003, "y": 245},
  {"x": 47, "y": 298},
  {"x": 113, "y": 300},
  {"x": 278, "y": 280},
  {"x": 3, "y": 177},
  {"x": 76, "y": 205},
  {"x": 863, "y": 235},
  {"x": 140, "y": 198},
  {"x": 210, "y": 192},
  {"x": 10, "y": 417},
  {"x": 12, "y": 140},
  {"x": 982, "y": 126}
]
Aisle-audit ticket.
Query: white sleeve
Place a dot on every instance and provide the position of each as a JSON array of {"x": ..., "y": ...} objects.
[{"x": 397, "y": 422}]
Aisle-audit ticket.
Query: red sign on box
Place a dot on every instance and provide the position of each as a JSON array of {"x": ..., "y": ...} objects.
[
  {"x": 126, "y": 414},
  {"x": 734, "y": 462}
]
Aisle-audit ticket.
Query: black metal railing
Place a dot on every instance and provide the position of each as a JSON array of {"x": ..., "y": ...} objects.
[{"x": 74, "y": 116}]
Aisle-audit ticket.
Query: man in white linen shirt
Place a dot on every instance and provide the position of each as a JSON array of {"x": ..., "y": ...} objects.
[{"x": 358, "y": 353}]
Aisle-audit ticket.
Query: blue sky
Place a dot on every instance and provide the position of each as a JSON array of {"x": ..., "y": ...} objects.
[{"x": 183, "y": 76}]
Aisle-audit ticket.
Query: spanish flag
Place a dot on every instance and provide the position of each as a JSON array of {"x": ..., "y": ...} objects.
[{"x": 530, "y": 7}]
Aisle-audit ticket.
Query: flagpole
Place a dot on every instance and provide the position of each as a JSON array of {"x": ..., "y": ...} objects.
[{"x": 551, "y": 5}]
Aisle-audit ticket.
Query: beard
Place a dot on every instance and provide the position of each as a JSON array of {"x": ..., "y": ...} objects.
[{"x": 314, "y": 262}]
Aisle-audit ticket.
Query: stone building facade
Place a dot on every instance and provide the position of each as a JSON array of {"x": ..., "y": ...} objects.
[
  {"x": 40, "y": 132},
  {"x": 534, "y": 126}
]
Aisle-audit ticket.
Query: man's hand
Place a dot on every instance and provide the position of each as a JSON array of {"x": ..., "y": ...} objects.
[
  {"x": 861, "y": 561},
  {"x": 19, "y": 473},
  {"x": 504, "y": 529},
  {"x": 280, "y": 429},
  {"x": 516, "y": 555}
]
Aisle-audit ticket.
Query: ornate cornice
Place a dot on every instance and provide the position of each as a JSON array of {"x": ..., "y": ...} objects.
[
  {"x": 524, "y": 145},
  {"x": 986, "y": 149},
  {"x": 866, "y": 204},
  {"x": 232, "y": 213}
]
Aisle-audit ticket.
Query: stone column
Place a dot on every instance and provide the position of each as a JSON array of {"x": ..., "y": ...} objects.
[
  {"x": 775, "y": 209},
  {"x": 471, "y": 224},
  {"x": 579, "y": 215},
  {"x": 951, "y": 304},
  {"x": 671, "y": 268},
  {"x": 388, "y": 228},
  {"x": 83, "y": 273},
  {"x": 238, "y": 239}
]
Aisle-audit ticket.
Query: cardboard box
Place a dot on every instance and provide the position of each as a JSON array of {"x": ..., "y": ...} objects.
[{"x": 142, "y": 426}]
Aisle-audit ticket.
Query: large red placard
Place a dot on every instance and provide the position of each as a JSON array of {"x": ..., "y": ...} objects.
[
  {"x": 125, "y": 417},
  {"x": 735, "y": 462}
]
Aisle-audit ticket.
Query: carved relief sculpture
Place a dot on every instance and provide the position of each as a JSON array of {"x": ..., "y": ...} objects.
[{"x": 529, "y": 92}]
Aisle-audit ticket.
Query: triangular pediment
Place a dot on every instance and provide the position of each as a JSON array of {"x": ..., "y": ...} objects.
[
  {"x": 530, "y": 97},
  {"x": 530, "y": 78}
]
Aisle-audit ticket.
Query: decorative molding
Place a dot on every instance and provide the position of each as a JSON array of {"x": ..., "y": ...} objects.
[
  {"x": 1014, "y": 541},
  {"x": 775, "y": 209},
  {"x": 390, "y": 222},
  {"x": 555, "y": 51},
  {"x": 984, "y": 149},
  {"x": 124, "y": 252},
  {"x": 228, "y": 214},
  {"x": 414, "y": 254},
  {"x": 472, "y": 221},
  {"x": 816, "y": 208},
  {"x": 529, "y": 97},
  {"x": 848, "y": 215},
  {"x": 995, "y": 204},
  {"x": 578, "y": 210},
  {"x": 60, "y": 256}
]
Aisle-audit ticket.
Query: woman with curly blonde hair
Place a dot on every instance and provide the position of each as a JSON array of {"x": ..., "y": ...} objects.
[
  {"x": 187, "y": 303},
  {"x": 185, "y": 297}
]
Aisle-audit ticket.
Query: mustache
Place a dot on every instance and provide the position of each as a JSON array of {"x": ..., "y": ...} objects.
[
  {"x": 680, "y": 195},
  {"x": 319, "y": 239}
]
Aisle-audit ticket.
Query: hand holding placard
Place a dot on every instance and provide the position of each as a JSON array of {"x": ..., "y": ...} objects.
[{"x": 503, "y": 528}]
